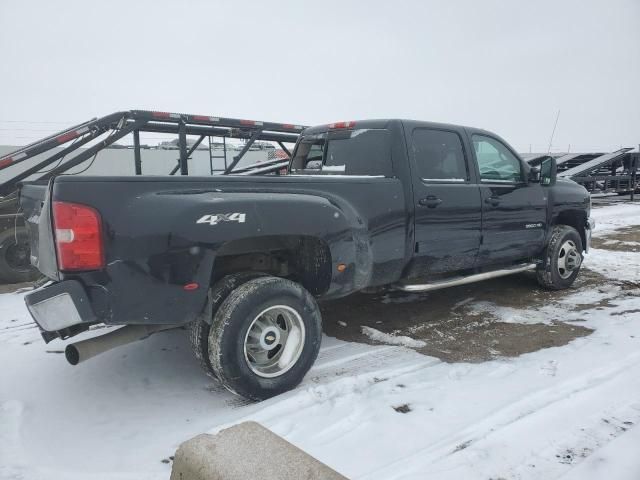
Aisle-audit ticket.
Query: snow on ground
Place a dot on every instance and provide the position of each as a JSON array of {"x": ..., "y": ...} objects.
[
  {"x": 371, "y": 412},
  {"x": 378, "y": 336},
  {"x": 548, "y": 314},
  {"x": 617, "y": 459},
  {"x": 614, "y": 264},
  {"x": 615, "y": 216}
]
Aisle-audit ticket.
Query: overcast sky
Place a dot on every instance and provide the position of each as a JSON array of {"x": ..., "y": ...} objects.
[{"x": 507, "y": 66}]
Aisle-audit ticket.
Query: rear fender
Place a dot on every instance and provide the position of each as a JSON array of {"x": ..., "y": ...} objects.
[
  {"x": 161, "y": 247},
  {"x": 216, "y": 220}
]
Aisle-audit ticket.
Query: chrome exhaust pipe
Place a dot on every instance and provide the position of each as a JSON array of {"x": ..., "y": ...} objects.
[
  {"x": 452, "y": 282},
  {"x": 85, "y": 349}
]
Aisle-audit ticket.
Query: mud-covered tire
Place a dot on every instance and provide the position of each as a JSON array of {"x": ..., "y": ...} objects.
[
  {"x": 230, "y": 354},
  {"x": 15, "y": 262},
  {"x": 555, "y": 273},
  {"x": 200, "y": 327}
]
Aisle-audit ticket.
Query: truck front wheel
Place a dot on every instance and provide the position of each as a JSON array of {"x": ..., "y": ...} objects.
[
  {"x": 562, "y": 259},
  {"x": 265, "y": 337}
]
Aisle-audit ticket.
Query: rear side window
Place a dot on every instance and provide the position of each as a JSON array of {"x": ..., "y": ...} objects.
[
  {"x": 439, "y": 156},
  {"x": 344, "y": 152}
]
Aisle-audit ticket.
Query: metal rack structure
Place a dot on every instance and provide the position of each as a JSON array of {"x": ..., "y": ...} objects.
[
  {"x": 614, "y": 172},
  {"x": 107, "y": 130},
  {"x": 58, "y": 153}
]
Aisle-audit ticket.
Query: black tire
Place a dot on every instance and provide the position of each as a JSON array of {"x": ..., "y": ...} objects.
[
  {"x": 565, "y": 242},
  {"x": 15, "y": 258},
  {"x": 200, "y": 327},
  {"x": 230, "y": 330}
]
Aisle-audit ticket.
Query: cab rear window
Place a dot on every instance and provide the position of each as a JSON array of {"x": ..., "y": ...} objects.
[{"x": 344, "y": 152}]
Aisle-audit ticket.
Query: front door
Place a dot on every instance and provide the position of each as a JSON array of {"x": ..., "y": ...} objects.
[
  {"x": 447, "y": 203},
  {"x": 514, "y": 212}
]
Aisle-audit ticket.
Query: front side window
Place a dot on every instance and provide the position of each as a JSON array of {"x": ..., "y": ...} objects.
[
  {"x": 495, "y": 161},
  {"x": 344, "y": 152},
  {"x": 439, "y": 156}
]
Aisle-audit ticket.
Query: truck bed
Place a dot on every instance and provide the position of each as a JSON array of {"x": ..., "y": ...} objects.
[{"x": 154, "y": 245}]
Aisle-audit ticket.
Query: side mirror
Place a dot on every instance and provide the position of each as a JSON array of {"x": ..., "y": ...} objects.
[
  {"x": 548, "y": 171},
  {"x": 543, "y": 170},
  {"x": 534, "y": 175}
]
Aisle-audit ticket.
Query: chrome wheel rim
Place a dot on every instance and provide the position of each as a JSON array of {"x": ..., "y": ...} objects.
[
  {"x": 569, "y": 259},
  {"x": 274, "y": 341}
]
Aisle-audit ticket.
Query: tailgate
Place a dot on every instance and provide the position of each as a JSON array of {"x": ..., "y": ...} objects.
[{"x": 34, "y": 203}]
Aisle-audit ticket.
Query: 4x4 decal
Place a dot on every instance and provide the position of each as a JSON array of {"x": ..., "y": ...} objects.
[{"x": 216, "y": 218}]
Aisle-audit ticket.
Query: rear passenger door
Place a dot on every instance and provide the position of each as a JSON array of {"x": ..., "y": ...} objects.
[
  {"x": 514, "y": 211},
  {"x": 447, "y": 203}
]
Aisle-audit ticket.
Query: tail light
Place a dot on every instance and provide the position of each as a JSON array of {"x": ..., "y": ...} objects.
[{"x": 78, "y": 236}]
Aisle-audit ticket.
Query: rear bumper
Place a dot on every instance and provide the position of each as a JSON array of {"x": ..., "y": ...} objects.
[{"x": 60, "y": 306}]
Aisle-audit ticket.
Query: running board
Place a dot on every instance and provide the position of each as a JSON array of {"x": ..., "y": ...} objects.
[{"x": 425, "y": 287}]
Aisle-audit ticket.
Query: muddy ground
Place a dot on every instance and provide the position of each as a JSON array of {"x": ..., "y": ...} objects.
[
  {"x": 453, "y": 332},
  {"x": 623, "y": 240}
]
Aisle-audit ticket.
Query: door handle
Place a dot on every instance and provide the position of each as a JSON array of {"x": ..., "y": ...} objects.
[
  {"x": 431, "y": 201},
  {"x": 493, "y": 201}
]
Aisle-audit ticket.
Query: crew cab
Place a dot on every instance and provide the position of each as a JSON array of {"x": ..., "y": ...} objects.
[{"x": 242, "y": 260}]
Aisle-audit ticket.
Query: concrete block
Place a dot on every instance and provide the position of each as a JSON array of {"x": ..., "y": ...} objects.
[{"x": 246, "y": 451}]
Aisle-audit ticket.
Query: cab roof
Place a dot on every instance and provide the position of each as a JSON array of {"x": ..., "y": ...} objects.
[{"x": 385, "y": 123}]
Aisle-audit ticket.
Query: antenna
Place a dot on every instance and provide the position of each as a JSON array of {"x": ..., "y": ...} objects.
[{"x": 553, "y": 132}]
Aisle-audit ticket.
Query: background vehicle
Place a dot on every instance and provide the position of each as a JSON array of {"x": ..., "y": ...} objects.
[
  {"x": 15, "y": 265},
  {"x": 243, "y": 259}
]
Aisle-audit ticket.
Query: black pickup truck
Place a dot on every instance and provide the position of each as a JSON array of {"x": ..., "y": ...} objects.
[{"x": 242, "y": 260}]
